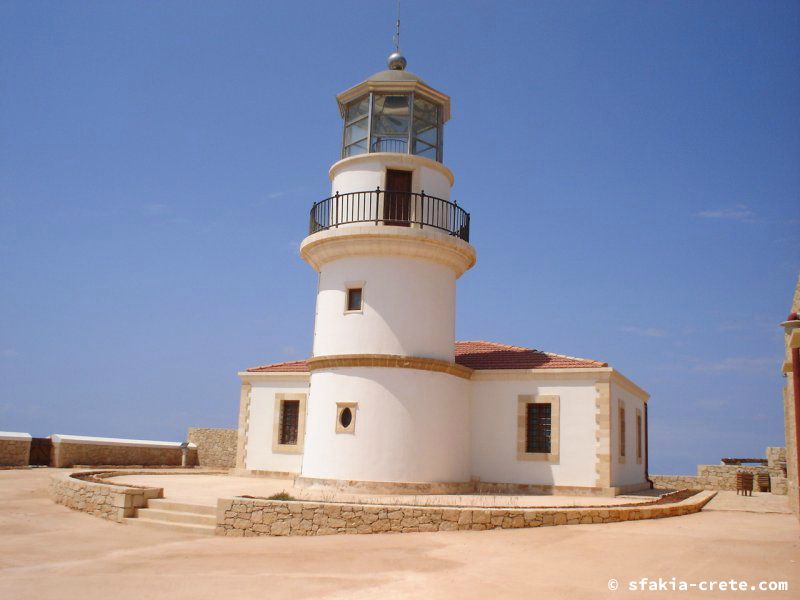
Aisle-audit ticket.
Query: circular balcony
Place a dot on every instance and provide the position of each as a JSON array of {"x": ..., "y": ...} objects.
[{"x": 383, "y": 207}]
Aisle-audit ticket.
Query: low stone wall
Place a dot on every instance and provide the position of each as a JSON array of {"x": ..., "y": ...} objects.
[
  {"x": 72, "y": 450},
  {"x": 15, "y": 449},
  {"x": 107, "y": 501},
  {"x": 215, "y": 447},
  {"x": 720, "y": 478},
  {"x": 255, "y": 516}
]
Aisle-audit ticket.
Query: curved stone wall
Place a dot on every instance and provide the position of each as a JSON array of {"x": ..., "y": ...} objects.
[
  {"x": 84, "y": 492},
  {"x": 244, "y": 517}
]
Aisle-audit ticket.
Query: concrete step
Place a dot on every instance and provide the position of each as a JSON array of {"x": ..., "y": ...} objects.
[
  {"x": 169, "y": 526},
  {"x": 165, "y": 504},
  {"x": 176, "y": 516}
]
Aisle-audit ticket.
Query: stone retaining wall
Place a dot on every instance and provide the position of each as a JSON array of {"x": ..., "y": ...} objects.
[
  {"x": 15, "y": 449},
  {"x": 107, "y": 501},
  {"x": 70, "y": 451},
  {"x": 254, "y": 516},
  {"x": 215, "y": 447},
  {"x": 720, "y": 477}
]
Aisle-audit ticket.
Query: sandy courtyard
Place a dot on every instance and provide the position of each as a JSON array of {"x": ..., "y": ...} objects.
[
  {"x": 49, "y": 551},
  {"x": 206, "y": 489}
]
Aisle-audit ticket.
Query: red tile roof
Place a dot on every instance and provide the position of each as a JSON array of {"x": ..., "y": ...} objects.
[
  {"x": 477, "y": 355},
  {"x": 293, "y": 366},
  {"x": 491, "y": 355}
]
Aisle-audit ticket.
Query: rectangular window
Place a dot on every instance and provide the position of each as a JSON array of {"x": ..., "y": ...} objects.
[
  {"x": 290, "y": 418},
  {"x": 538, "y": 424},
  {"x": 622, "y": 431},
  {"x": 354, "y": 299},
  {"x": 538, "y": 428},
  {"x": 638, "y": 436}
]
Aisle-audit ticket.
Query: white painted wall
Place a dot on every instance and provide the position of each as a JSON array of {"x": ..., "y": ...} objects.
[
  {"x": 15, "y": 436},
  {"x": 627, "y": 473},
  {"x": 494, "y": 433},
  {"x": 259, "y": 455},
  {"x": 411, "y": 426},
  {"x": 368, "y": 171},
  {"x": 409, "y": 308}
]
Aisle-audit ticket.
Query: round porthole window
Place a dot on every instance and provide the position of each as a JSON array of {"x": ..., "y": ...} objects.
[{"x": 346, "y": 417}]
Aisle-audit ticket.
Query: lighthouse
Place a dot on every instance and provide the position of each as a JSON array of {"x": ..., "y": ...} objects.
[{"x": 386, "y": 401}]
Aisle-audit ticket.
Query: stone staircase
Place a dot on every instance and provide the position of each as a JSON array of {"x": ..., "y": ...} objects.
[{"x": 166, "y": 514}]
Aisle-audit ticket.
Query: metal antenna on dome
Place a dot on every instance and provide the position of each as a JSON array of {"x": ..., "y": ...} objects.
[
  {"x": 396, "y": 38},
  {"x": 397, "y": 62}
]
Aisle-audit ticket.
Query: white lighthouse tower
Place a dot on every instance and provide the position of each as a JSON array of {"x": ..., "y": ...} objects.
[
  {"x": 389, "y": 401},
  {"x": 386, "y": 401}
]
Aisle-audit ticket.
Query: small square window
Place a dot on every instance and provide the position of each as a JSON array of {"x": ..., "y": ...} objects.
[{"x": 354, "y": 299}]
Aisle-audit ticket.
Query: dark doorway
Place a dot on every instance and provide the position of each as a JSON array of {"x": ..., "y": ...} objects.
[
  {"x": 397, "y": 198},
  {"x": 41, "y": 449}
]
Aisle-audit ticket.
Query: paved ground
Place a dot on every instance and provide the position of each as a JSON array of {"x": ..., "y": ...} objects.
[
  {"x": 48, "y": 551},
  {"x": 206, "y": 489},
  {"x": 760, "y": 503}
]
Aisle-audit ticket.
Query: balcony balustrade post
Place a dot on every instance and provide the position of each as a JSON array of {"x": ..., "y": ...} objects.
[
  {"x": 421, "y": 209},
  {"x": 377, "y": 203}
]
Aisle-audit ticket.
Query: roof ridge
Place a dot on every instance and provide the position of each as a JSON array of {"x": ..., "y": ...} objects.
[
  {"x": 279, "y": 364},
  {"x": 575, "y": 357},
  {"x": 498, "y": 344},
  {"x": 479, "y": 354}
]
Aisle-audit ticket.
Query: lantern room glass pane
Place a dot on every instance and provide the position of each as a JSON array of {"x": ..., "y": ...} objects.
[
  {"x": 423, "y": 149},
  {"x": 357, "y": 109},
  {"x": 355, "y": 131},
  {"x": 427, "y": 133},
  {"x": 390, "y": 114},
  {"x": 356, "y": 148},
  {"x": 426, "y": 111}
]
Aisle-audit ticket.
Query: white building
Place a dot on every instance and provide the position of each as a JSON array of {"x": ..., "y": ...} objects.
[{"x": 389, "y": 401}]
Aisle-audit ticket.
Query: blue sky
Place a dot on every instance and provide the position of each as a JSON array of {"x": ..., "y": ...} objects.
[{"x": 631, "y": 169}]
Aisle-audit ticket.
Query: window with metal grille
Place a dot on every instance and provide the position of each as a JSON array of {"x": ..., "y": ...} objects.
[
  {"x": 538, "y": 428},
  {"x": 290, "y": 416},
  {"x": 622, "y": 431}
]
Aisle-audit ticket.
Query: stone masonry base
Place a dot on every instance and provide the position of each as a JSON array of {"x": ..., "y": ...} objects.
[
  {"x": 245, "y": 517},
  {"x": 465, "y": 487}
]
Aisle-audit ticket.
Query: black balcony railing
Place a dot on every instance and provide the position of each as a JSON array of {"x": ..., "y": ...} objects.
[
  {"x": 390, "y": 144},
  {"x": 382, "y": 207}
]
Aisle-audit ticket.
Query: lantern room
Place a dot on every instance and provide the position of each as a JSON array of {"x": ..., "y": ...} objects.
[{"x": 393, "y": 111}]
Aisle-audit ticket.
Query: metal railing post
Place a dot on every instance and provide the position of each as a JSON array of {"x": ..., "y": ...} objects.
[
  {"x": 421, "y": 209},
  {"x": 378, "y": 202}
]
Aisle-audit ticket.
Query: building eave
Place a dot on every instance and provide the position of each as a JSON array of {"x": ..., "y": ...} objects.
[
  {"x": 257, "y": 376},
  {"x": 584, "y": 373},
  {"x": 366, "y": 87}
]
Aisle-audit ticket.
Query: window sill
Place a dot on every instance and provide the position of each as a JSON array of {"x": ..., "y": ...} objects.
[
  {"x": 538, "y": 456},
  {"x": 287, "y": 449}
]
